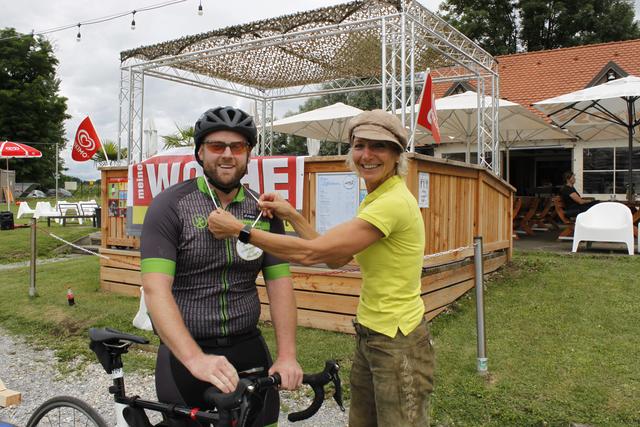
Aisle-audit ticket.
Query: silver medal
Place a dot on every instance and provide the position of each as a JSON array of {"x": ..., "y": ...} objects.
[{"x": 247, "y": 251}]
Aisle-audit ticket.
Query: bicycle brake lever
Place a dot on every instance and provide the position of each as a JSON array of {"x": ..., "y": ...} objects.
[{"x": 337, "y": 395}]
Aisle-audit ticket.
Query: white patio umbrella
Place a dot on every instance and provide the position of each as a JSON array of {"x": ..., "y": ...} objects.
[
  {"x": 325, "y": 124},
  {"x": 458, "y": 122},
  {"x": 606, "y": 111}
]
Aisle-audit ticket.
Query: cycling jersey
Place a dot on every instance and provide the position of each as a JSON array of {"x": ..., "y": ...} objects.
[{"x": 213, "y": 287}]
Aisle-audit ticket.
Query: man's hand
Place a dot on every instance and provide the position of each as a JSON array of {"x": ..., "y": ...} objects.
[
  {"x": 273, "y": 204},
  {"x": 290, "y": 373},
  {"x": 215, "y": 370},
  {"x": 223, "y": 224}
]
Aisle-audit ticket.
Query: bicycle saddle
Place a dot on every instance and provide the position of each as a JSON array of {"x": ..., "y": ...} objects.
[{"x": 109, "y": 335}]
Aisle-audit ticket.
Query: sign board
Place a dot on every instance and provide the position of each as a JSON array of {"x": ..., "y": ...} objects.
[
  {"x": 337, "y": 199},
  {"x": 70, "y": 185},
  {"x": 423, "y": 189}
]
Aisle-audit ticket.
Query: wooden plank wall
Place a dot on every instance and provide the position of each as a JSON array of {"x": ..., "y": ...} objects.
[
  {"x": 464, "y": 201},
  {"x": 329, "y": 301},
  {"x": 121, "y": 272}
]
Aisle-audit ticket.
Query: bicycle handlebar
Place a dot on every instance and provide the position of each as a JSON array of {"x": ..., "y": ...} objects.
[
  {"x": 110, "y": 344},
  {"x": 226, "y": 402}
]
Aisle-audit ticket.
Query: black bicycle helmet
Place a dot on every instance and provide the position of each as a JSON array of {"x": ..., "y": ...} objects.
[{"x": 224, "y": 118}]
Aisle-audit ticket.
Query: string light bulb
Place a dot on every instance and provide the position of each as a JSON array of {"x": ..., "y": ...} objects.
[
  {"x": 78, "y": 36},
  {"x": 200, "y": 11},
  {"x": 133, "y": 20}
]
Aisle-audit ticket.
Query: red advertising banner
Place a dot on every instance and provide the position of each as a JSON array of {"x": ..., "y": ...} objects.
[{"x": 264, "y": 175}]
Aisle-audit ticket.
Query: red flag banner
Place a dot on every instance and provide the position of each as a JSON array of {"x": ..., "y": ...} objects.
[
  {"x": 86, "y": 142},
  {"x": 427, "y": 117}
]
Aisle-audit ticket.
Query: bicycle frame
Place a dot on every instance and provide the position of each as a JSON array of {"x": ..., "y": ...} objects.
[{"x": 109, "y": 345}]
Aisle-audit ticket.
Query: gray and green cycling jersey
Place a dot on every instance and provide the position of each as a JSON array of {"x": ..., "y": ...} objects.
[{"x": 213, "y": 287}]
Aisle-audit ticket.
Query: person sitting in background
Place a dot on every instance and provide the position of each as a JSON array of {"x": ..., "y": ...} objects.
[{"x": 574, "y": 204}]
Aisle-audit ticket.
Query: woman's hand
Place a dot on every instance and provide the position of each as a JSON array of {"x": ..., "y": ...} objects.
[
  {"x": 273, "y": 204},
  {"x": 223, "y": 224}
]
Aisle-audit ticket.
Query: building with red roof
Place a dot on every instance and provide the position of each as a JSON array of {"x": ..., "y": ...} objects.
[{"x": 536, "y": 167}]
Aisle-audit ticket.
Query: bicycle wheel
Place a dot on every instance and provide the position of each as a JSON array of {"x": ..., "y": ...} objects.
[{"x": 65, "y": 411}]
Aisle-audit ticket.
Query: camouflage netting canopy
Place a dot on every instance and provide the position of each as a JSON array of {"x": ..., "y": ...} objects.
[{"x": 322, "y": 45}]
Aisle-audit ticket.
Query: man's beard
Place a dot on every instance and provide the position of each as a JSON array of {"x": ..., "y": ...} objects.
[{"x": 228, "y": 187}]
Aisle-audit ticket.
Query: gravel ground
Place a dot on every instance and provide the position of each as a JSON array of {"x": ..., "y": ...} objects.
[{"x": 32, "y": 372}]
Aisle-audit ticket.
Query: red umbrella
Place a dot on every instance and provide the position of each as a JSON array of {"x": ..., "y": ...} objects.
[{"x": 16, "y": 150}]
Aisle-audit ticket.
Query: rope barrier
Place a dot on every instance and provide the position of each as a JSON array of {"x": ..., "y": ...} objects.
[
  {"x": 337, "y": 272},
  {"x": 72, "y": 244},
  {"x": 450, "y": 251}
]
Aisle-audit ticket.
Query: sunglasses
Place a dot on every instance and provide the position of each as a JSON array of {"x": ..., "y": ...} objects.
[{"x": 219, "y": 147}]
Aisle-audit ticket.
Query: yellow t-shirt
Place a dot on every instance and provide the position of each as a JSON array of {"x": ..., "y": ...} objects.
[{"x": 392, "y": 267}]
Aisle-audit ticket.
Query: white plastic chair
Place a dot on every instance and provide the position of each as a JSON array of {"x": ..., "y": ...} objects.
[
  {"x": 25, "y": 209},
  {"x": 63, "y": 207},
  {"x": 88, "y": 208},
  {"x": 44, "y": 209},
  {"x": 605, "y": 222}
]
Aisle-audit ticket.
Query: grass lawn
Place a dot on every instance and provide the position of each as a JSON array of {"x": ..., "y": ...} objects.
[
  {"x": 562, "y": 338},
  {"x": 15, "y": 245}
]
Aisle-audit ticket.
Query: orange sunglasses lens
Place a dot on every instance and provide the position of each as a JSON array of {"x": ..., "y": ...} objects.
[{"x": 217, "y": 147}]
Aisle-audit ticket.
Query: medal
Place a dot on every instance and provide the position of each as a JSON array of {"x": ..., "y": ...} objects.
[{"x": 247, "y": 251}]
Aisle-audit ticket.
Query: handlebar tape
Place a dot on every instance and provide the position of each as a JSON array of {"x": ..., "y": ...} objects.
[{"x": 316, "y": 382}]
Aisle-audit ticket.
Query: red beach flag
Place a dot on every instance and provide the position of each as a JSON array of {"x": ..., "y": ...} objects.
[
  {"x": 86, "y": 142},
  {"x": 427, "y": 117}
]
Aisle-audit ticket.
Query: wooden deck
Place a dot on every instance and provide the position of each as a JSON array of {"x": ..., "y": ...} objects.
[{"x": 464, "y": 201}]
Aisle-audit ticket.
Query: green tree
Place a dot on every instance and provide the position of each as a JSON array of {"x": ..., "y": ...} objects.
[
  {"x": 504, "y": 26},
  {"x": 491, "y": 24},
  {"x": 111, "y": 148},
  {"x": 182, "y": 138},
  {"x": 31, "y": 109}
]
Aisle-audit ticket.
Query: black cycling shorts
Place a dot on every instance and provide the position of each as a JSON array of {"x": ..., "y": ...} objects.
[{"x": 175, "y": 384}]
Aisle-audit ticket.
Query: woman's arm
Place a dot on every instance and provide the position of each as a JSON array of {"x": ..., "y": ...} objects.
[
  {"x": 273, "y": 203},
  {"x": 336, "y": 247}
]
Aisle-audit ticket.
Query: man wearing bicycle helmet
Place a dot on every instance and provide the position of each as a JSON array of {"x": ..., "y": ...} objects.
[{"x": 201, "y": 295}]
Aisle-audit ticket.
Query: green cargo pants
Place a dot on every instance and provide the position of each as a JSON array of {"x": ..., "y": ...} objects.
[{"x": 391, "y": 378}]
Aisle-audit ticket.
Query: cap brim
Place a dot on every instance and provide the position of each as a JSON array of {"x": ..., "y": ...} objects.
[{"x": 376, "y": 133}]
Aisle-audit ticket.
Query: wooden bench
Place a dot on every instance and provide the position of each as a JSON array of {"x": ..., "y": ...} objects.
[
  {"x": 64, "y": 218},
  {"x": 544, "y": 218},
  {"x": 527, "y": 211},
  {"x": 517, "y": 204},
  {"x": 567, "y": 233}
]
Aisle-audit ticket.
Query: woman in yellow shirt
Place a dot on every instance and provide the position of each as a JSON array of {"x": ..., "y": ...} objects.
[{"x": 392, "y": 372}]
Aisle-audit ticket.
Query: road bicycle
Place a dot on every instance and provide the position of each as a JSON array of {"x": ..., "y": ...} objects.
[{"x": 223, "y": 409}]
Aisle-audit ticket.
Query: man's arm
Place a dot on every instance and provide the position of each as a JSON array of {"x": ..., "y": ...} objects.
[
  {"x": 168, "y": 322},
  {"x": 282, "y": 306}
]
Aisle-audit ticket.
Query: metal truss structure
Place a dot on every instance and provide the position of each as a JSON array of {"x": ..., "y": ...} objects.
[{"x": 362, "y": 45}]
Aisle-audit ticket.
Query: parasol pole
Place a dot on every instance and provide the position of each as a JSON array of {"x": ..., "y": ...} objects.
[
  {"x": 56, "y": 174},
  {"x": 8, "y": 188},
  {"x": 106, "y": 158},
  {"x": 630, "y": 189}
]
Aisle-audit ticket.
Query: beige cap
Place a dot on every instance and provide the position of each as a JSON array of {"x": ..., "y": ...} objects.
[{"x": 378, "y": 125}]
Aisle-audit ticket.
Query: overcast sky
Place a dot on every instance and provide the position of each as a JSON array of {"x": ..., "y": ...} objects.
[{"x": 90, "y": 70}]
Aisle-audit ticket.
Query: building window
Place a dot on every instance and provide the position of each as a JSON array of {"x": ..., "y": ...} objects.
[
  {"x": 605, "y": 170},
  {"x": 454, "y": 156}
]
